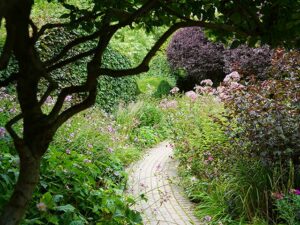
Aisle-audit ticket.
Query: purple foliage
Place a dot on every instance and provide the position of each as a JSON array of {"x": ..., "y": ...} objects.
[
  {"x": 248, "y": 61},
  {"x": 200, "y": 58}
]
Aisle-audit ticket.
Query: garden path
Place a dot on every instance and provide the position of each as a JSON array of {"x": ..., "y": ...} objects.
[{"x": 156, "y": 178}]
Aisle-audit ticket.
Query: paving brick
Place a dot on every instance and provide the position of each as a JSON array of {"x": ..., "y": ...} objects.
[{"x": 155, "y": 176}]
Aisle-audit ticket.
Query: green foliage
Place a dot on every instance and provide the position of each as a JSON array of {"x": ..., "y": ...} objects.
[
  {"x": 149, "y": 116},
  {"x": 83, "y": 177},
  {"x": 143, "y": 121},
  {"x": 111, "y": 91},
  {"x": 163, "y": 89},
  {"x": 135, "y": 43},
  {"x": 289, "y": 209}
]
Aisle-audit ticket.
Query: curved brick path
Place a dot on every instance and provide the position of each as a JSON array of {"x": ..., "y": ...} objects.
[{"x": 155, "y": 176}]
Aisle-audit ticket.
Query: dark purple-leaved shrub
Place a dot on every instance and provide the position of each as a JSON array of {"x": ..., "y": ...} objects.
[
  {"x": 264, "y": 119},
  {"x": 248, "y": 61},
  {"x": 201, "y": 59},
  {"x": 285, "y": 65}
]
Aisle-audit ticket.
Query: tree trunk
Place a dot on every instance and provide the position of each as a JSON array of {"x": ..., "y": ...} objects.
[{"x": 28, "y": 179}]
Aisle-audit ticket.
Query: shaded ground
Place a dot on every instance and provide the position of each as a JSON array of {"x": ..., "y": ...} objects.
[{"x": 155, "y": 176}]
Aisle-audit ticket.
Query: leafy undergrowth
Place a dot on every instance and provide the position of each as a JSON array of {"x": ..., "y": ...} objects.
[
  {"x": 82, "y": 175},
  {"x": 238, "y": 148}
]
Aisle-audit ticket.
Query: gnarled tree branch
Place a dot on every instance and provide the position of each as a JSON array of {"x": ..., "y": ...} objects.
[
  {"x": 49, "y": 26},
  {"x": 8, "y": 46},
  {"x": 11, "y": 131},
  {"x": 70, "y": 45},
  {"x": 71, "y": 60},
  {"x": 144, "y": 65}
]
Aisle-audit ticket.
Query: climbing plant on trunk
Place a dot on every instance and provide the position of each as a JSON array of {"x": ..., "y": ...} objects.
[{"x": 250, "y": 22}]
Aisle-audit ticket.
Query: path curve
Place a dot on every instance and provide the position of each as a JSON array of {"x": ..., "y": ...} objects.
[{"x": 155, "y": 176}]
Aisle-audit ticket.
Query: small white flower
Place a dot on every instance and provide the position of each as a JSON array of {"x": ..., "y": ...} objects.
[{"x": 41, "y": 207}]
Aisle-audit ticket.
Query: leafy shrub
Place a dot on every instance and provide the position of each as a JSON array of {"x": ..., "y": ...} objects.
[
  {"x": 267, "y": 118},
  {"x": 248, "y": 61},
  {"x": 149, "y": 115},
  {"x": 111, "y": 91},
  {"x": 285, "y": 65},
  {"x": 163, "y": 88},
  {"x": 232, "y": 161},
  {"x": 201, "y": 59}
]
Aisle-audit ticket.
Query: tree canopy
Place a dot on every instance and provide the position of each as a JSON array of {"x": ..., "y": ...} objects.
[{"x": 276, "y": 22}]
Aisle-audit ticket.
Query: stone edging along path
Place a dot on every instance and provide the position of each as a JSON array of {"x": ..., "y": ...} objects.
[{"x": 155, "y": 176}]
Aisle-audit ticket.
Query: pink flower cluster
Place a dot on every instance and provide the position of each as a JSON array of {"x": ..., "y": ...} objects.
[
  {"x": 192, "y": 95},
  {"x": 168, "y": 104},
  {"x": 174, "y": 90},
  {"x": 207, "y": 82}
]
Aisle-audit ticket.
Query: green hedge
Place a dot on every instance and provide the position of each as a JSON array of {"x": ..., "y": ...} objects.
[{"x": 111, "y": 91}]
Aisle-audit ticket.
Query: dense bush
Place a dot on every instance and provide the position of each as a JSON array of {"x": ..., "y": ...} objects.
[
  {"x": 241, "y": 164},
  {"x": 201, "y": 59},
  {"x": 248, "y": 61},
  {"x": 264, "y": 119},
  {"x": 111, "y": 91},
  {"x": 285, "y": 65}
]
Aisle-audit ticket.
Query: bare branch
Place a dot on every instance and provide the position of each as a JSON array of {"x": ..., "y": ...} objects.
[
  {"x": 34, "y": 29},
  {"x": 52, "y": 86},
  {"x": 10, "y": 79},
  {"x": 71, "y": 60},
  {"x": 70, "y": 45},
  {"x": 57, "y": 25},
  {"x": 10, "y": 130},
  {"x": 85, "y": 104},
  {"x": 8, "y": 46},
  {"x": 61, "y": 98}
]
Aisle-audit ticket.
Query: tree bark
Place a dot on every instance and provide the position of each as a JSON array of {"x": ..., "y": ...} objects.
[{"x": 28, "y": 179}]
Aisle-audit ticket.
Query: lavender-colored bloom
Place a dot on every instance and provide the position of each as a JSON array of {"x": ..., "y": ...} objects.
[
  {"x": 296, "y": 191},
  {"x": 68, "y": 98},
  {"x": 110, "y": 129},
  {"x": 110, "y": 150},
  {"x": 2, "y": 132},
  {"x": 207, "y": 218},
  {"x": 87, "y": 161}
]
